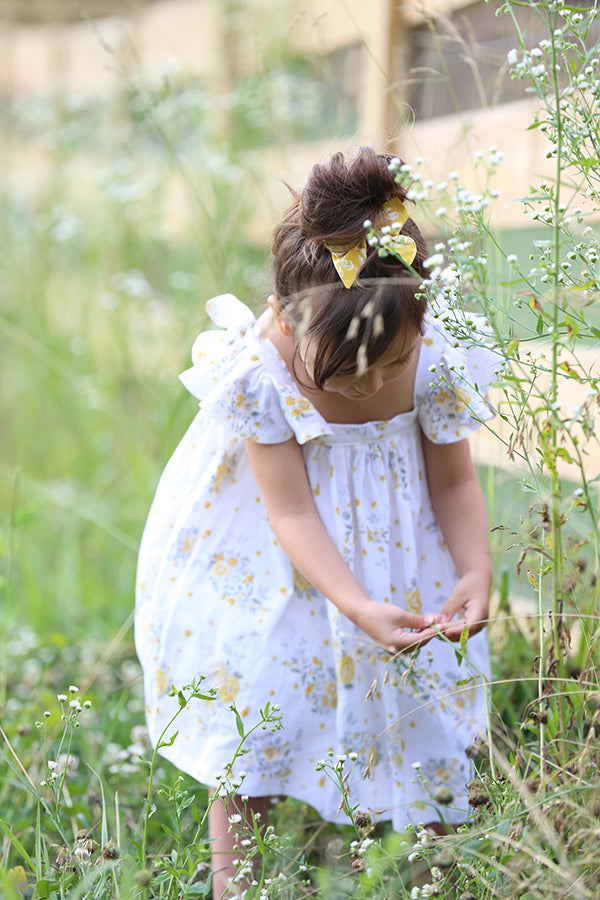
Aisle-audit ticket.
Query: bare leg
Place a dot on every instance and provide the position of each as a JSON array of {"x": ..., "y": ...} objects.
[{"x": 224, "y": 838}]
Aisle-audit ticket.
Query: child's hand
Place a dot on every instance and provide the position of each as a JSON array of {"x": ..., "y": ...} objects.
[
  {"x": 396, "y": 630},
  {"x": 469, "y": 601}
]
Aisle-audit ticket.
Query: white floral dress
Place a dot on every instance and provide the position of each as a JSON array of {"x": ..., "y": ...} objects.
[{"x": 217, "y": 595}]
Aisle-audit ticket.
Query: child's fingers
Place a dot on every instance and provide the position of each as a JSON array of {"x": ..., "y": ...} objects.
[
  {"x": 405, "y": 641},
  {"x": 411, "y": 620}
]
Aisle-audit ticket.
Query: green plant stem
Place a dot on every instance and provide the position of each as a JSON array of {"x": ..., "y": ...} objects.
[
  {"x": 556, "y": 485},
  {"x": 540, "y": 679}
]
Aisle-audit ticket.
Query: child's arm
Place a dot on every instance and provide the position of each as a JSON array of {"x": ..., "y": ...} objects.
[
  {"x": 460, "y": 511},
  {"x": 282, "y": 480}
]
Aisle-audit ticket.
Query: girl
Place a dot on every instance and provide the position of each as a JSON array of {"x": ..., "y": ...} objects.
[{"x": 321, "y": 518}]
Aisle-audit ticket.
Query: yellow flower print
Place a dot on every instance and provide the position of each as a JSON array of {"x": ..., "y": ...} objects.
[
  {"x": 427, "y": 341},
  {"x": 345, "y": 669},
  {"x": 188, "y": 544},
  {"x": 220, "y": 567},
  {"x": 412, "y": 600},
  {"x": 330, "y": 695},
  {"x": 227, "y": 682},
  {"x": 441, "y": 396},
  {"x": 229, "y": 689},
  {"x": 464, "y": 398},
  {"x": 223, "y": 469},
  {"x": 300, "y": 582},
  {"x": 162, "y": 682}
]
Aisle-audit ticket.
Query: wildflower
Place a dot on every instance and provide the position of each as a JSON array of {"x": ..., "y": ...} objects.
[
  {"x": 362, "y": 820},
  {"x": 512, "y": 57},
  {"x": 83, "y": 854},
  {"x": 110, "y": 851},
  {"x": 143, "y": 877},
  {"x": 73, "y": 689},
  {"x": 444, "y": 795},
  {"x": 417, "y": 765},
  {"x": 436, "y": 260},
  {"x": 62, "y": 698}
]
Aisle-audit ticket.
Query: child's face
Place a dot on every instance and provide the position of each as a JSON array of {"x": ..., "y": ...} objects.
[{"x": 388, "y": 367}]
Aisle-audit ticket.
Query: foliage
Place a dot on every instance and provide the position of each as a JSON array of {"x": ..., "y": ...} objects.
[{"x": 98, "y": 302}]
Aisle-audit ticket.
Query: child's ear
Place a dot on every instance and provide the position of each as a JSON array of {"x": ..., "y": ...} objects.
[{"x": 284, "y": 325}]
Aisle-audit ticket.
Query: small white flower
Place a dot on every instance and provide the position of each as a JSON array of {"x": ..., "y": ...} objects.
[
  {"x": 512, "y": 57},
  {"x": 51, "y": 764},
  {"x": 436, "y": 260},
  {"x": 62, "y": 698},
  {"x": 417, "y": 765},
  {"x": 73, "y": 689},
  {"x": 454, "y": 175},
  {"x": 578, "y": 492}
]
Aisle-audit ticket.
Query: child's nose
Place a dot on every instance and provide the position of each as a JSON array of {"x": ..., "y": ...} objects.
[{"x": 372, "y": 381}]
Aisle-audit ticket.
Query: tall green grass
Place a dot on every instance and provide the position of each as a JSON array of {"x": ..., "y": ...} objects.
[{"x": 100, "y": 299}]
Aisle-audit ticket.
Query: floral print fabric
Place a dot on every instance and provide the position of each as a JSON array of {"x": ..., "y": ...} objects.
[{"x": 217, "y": 595}]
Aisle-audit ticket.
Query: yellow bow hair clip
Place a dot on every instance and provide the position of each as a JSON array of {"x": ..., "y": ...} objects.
[{"x": 348, "y": 260}]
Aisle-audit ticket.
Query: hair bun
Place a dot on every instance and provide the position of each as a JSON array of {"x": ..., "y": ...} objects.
[{"x": 339, "y": 196}]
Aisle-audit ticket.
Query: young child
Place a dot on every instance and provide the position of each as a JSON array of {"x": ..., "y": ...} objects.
[{"x": 320, "y": 518}]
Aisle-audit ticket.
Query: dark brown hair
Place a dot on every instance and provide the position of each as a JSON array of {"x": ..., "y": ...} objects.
[{"x": 384, "y": 300}]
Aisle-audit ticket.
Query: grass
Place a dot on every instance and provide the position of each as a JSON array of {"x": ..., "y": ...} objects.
[{"x": 99, "y": 306}]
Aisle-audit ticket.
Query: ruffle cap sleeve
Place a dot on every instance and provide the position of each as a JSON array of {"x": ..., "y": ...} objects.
[
  {"x": 454, "y": 375},
  {"x": 241, "y": 380}
]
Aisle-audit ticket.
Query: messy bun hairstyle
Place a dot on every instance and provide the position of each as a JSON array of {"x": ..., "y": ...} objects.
[{"x": 339, "y": 196}]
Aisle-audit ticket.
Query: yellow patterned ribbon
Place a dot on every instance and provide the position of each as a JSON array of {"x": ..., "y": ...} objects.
[{"x": 348, "y": 260}]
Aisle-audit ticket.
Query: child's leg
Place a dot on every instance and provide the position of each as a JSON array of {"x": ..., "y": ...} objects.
[{"x": 224, "y": 836}]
